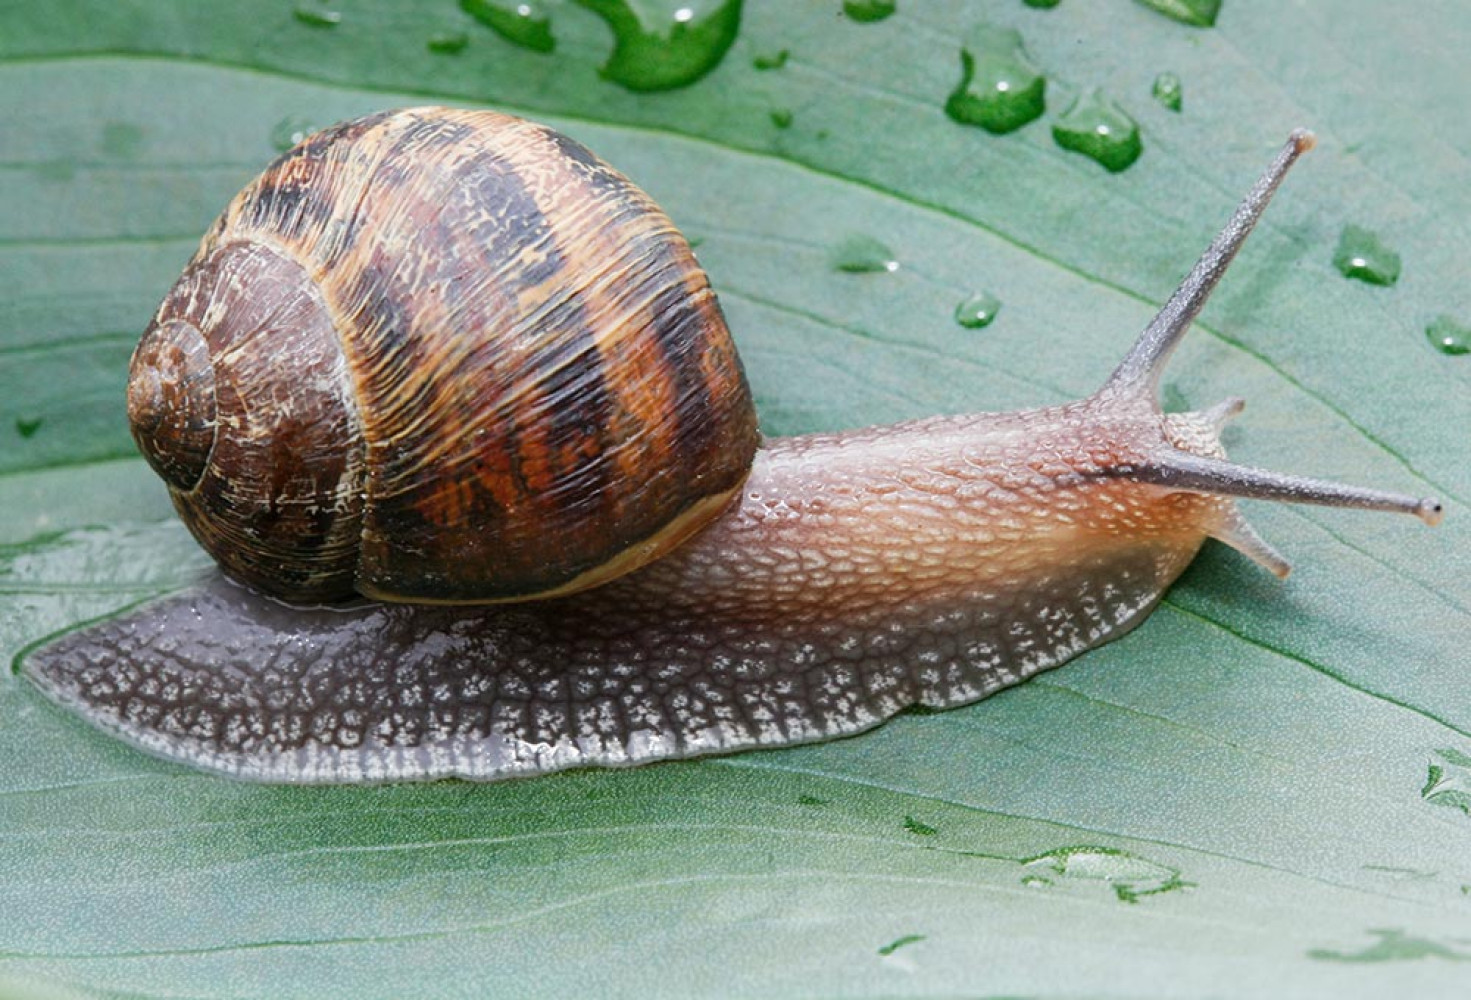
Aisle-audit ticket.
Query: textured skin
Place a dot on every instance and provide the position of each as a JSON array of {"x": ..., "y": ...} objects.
[
  {"x": 929, "y": 563},
  {"x": 517, "y": 345}
]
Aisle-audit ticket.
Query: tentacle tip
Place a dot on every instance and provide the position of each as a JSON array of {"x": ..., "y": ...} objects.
[
  {"x": 1303, "y": 139},
  {"x": 1430, "y": 510},
  {"x": 1220, "y": 414}
]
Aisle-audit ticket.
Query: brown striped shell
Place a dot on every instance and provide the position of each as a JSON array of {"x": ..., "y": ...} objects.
[{"x": 441, "y": 355}]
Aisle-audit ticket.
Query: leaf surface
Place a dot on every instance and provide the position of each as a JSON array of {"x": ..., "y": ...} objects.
[{"x": 1264, "y": 786}]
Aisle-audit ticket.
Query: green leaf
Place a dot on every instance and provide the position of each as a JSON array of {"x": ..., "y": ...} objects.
[{"x": 1236, "y": 793}]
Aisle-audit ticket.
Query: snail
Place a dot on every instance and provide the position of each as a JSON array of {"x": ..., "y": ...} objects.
[{"x": 436, "y": 357}]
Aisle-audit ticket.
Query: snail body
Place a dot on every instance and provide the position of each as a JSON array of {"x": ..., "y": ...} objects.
[{"x": 837, "y": 580}]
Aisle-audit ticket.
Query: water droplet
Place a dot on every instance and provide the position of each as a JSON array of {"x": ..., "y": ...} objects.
[
  {"x": 662, "y": 51},
  {"x": 26, "y": 427},
  {"x": 898, "y": 943},
  {"x": 1101, "y": 130},
  {"x": 1200, "y": 13},
  {"x": 317, "y": 17},
  {"x": 1130, "y": 876},
  {"x": 1168, "y": 91},
  {"x": 978, "y": 310},
  {"x": 862, "y": 255},
  {"x": 1448, "y": 336},
  {"x": 289, "y": 131},
  {"x": 1361, "y": 256},
  {"x": 1044, "y": 4},
  {"x": 1000, "y": 88},
  {"x": 1449, "y": 781},
  {"x": 1394, "y": 945},
  {"x": 776, "y": 61},
  {"x": 868, "y": 11},
  {"x": 920, "y": 829},
  {"x": 121, "y": 140},
  {"x": 1036, "y": 881},
  {"x": 450, "y": 44},
  {"x": 521, "y": 22},
  {"x": 781, "y": 118}
]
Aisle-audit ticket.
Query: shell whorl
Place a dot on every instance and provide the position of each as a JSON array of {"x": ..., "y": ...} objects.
[{"x": 529, "y": 353}]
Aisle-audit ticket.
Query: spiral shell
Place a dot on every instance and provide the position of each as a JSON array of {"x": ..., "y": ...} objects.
[{"x": 441, "y": 355}]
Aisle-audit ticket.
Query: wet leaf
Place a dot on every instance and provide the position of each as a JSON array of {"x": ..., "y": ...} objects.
[{"x": 1260, "y": 749}]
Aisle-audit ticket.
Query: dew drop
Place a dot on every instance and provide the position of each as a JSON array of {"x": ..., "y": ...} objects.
[
  {"x": 1448, "y": 782},
  {"x": 449, "y": 44},
  {"x": 775, "y": 60},
  {"x": 664, "y": 44},
  {"x": 1000, "y": 88},
  {"x": 859, "y": 254},
  {"x": 1448, "y": 336},
  {"x": 317, "y": 17},
  {"x": 1130, "y": 876},
  {"x": 1101, "y": 130},
  {"x": 1168, "y": 91},
  {"x": 27, "y": 427},
  {"x": 289, "y": 131},
  {"x": 918, "y": 828},
  {"x": 898, "y": 943},
  {"x": 868, "y": 11},
  {"x": 1199, "y": 13},
  {"x": 521, "y": 22},
  {"x": 781, "y": 118},
  {"x": 977, "y": 310},
  {"x": 1394, "y": 944},
  {"x": 1361, "y": 256}
]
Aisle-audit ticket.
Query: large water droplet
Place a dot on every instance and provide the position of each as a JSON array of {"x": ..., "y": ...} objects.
[
  {"x": 1360, "y": 255},
  {"x": 977, "y": 310},
  {"x": 448, "y": 44},
  {"x": 1168, "y": 91},
  {"x": 1448, "y": 336},
  {"x": 1448, "y": 782},
  {"x": 867, "y": 11},
  {"x": 859, "y": 254},
  {"x": 317, "y": 17},
  {"x": 1130, "y": 876},
  {"x": 289, "y": 131},
  {"x": 1101, "y": 130},
  {"x": 1000, "y": 88},
  {"x": 521, "y": 22},
  {"x": 1200, "y": 13},
  {"x": 663, "y": 44}
]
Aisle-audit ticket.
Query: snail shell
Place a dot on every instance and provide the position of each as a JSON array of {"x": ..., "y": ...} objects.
[{"x": 423, "y": 343}]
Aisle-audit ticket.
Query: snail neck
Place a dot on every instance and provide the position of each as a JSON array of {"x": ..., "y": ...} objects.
[{"x": 926, "y": 516}]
